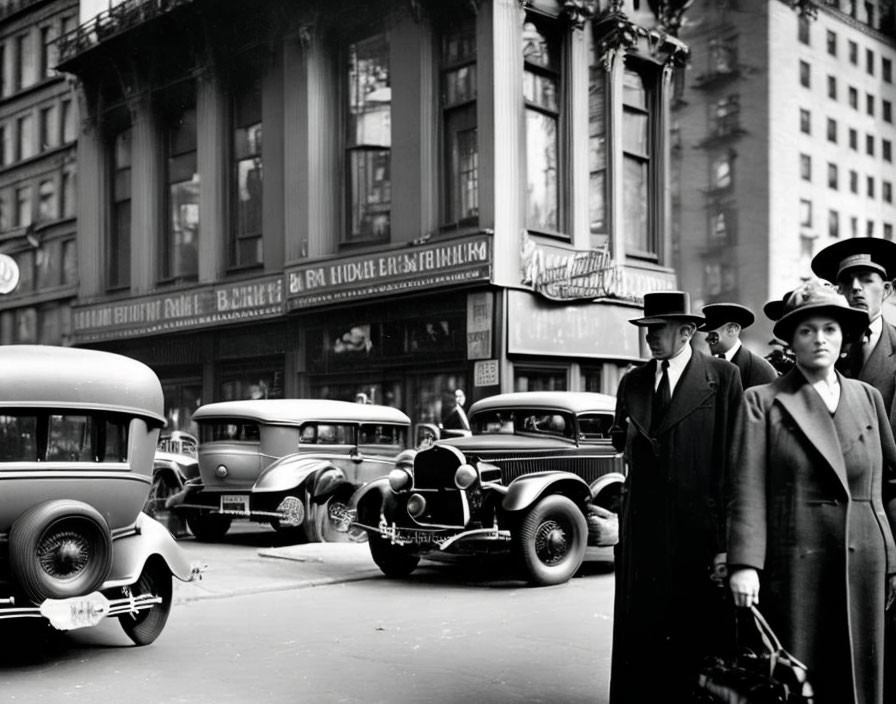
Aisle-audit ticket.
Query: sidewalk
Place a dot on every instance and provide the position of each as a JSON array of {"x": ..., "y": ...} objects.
[{"x": 232, "y": 573}]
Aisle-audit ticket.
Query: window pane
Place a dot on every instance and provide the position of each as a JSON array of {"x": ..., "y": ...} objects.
[
  {"x": 634, "y": 133},
  {"x": 247, "y": 241},
  {"x": 539, "y": 49},
  {"x": 26, "y": 137},
  {"x": 49, "y": 265},
  {"x": 463, "y": 157},
  {"x": 23, "y": 206},
  {"x": 182, "y": 258},
  {"x": 371, "y": 192},
  {"x": 541, "y": 156},
  {"x": 634, "y": 208},
  {"x": 460, "y": 85},
  {"x": 18, "y": 438},
  {"x": 597, "y": 152},
  {"x": 48, "y": 204}
]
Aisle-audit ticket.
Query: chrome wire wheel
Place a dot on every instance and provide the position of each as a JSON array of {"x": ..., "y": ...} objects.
[{"x": 63, "y": 554}]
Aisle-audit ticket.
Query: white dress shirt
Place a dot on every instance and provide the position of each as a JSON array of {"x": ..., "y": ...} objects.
[
  {"x": 729, "y": 355},
  {"x": 877, "y": 327},
  {"x": 676, "y": 367}
]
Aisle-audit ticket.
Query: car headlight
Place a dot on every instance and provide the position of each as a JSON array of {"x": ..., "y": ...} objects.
[
  {"x": 465, "y": 476},
  {"x": 400, "y": 479},
  {"x": 416, "y": 505}
]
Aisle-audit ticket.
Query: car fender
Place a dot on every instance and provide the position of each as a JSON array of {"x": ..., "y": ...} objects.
[
  {"x": 290, "y": 472},
  {"x": 169, "y": 469},
  {"x": 606, "y": 490},
  {"x": 373, "y": 496},
  {"x": 131, "y": 551},
  {"x": 526, "y": 490}
]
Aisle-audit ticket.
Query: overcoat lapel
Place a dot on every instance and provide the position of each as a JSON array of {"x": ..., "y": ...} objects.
[
  {"x": 639, "y": 396},
  {"x": 801, "y": 402},
  {"x": 694, "y": 387},
  {"x": 744, "y": 362},
  {"x": 879, "y": 361}
]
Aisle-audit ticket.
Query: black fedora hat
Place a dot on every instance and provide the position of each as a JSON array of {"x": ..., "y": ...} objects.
[
  {"x": 719, "y": 314},
  {"x": 663, "y": 306},
  {"x": 775, "y": 309},
  {"x": 818, "y": 297},
  {"x": 871, "y": 253}
]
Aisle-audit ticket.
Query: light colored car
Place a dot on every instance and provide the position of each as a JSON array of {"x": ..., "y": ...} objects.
[
  {"x": 78, "y": 432},
  {"x": 538, "y": 476},
  {"x": 176, "y": 462},
  {"x": 287, "y": 462}
]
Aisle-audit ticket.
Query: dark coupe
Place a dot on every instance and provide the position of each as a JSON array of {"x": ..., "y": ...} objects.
[{"x": 538, "y": 476}]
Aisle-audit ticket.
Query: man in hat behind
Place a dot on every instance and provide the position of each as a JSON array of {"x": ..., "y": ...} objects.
[
  {"x": 675, "y": 417},
  {"x": 863, "y": 269},
  {"x": 724, "y": 321}
]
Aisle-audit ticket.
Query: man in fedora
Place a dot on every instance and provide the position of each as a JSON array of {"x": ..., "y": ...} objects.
[
  {"x": 675, "y": 417},
  {"x": 863, "y": 269},
  {"x": 724, "y": 322}
]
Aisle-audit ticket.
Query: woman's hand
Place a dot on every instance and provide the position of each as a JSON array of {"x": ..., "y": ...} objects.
[
  {"x": 891, "y": 590},
  {"x": 745, "y": 586}
]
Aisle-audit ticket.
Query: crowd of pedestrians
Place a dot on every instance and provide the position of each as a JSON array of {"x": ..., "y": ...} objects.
[{"x": 749, "y": 488}]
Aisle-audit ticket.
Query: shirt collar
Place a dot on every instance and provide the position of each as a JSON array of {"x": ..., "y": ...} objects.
[
  {"x": 681, "y": 359},
  {"x": 729, "y": 355},
  {"x": 876, "y": 326}
]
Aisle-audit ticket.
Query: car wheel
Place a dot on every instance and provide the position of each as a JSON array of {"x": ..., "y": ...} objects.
[
  {"x": 143, "y": 627},
  {"x": 60, "y": 549},
  {"x": 395, "y": 561},
  {"x": 337, "y": 504},
  {"x": 551, "y": 540},
  {"x": 210, "y": 527},
  {"x": 164, "y": 487},
  {"x": 294, "y": 532}
]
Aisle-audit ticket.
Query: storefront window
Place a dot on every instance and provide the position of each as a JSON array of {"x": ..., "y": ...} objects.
[
  {"x": 369, "y": 138},
  {"x": 252, "y": 381},
  {"x": 182, "y": 397},
  {"x": 528, "y": 379}
]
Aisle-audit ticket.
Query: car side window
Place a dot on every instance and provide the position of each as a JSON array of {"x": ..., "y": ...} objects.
[
  {"x": 595, "y": 427},
  {"x": 382, "y": 434},
  {"x": 18, "y": 438}
]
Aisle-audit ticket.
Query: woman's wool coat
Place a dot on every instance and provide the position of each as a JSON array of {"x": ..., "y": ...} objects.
[{"x": 813, "y": 514}]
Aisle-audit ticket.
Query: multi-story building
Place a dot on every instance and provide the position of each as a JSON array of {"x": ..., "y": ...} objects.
[
  {"x": 401, "y": 197},
  {"x": 783, "y": 143},
  {"x": 38, "y": 128}
]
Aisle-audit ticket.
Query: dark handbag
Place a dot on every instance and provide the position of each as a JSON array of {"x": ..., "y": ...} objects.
[{"x": 770, "y": 676}]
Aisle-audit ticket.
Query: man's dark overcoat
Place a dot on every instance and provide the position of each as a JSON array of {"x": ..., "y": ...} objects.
[
  {"x": 811, "y": 514},
  {"x": 672, "y": 525},
  {"x": 879, "y": 370},
  {"x": 754, "y": 370}
]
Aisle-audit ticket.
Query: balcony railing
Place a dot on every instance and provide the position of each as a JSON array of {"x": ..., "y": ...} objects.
[{"x": 116, "y": 20}]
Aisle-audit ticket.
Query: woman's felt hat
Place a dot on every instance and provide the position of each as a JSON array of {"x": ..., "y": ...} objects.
[
  {"x": 719, "y": 314},
  {"x": 871, "y": 253},
  {"x": 666, "y": 306},
  {"x": 818, "y": 297}
]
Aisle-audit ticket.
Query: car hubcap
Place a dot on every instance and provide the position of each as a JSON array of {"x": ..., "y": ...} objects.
[
  {"x": 551, "y": 543},
  {"x": 63, "y": 554}
]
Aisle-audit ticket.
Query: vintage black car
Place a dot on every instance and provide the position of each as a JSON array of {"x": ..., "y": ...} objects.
[{"x": 538, "y": 477}]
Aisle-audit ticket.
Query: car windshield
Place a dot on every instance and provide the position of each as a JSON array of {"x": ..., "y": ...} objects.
[
  {"x": 522, "y": 420},
  {"x": 65, "y": 436}
]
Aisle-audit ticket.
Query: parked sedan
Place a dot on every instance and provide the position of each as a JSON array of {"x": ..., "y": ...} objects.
[
  {"x": 286, "y": 462},
  {"x": 539, "y": 476},
  {"x": 176, "y": 462}
]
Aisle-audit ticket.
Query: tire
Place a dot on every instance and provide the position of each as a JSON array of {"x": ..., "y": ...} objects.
[
  {"x": 163, "y": 487},
  {"x": 143, "y": 627},
  {"x": 551, "y": 541},
  {"x": 59, "y": 549},
  {"x": 210, "y": 527},
  {"x": 394, "y": 561}
]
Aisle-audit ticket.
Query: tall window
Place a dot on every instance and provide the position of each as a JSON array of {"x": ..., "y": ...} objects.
[
  {"x": 805, "y": 167},
  {"x": 597, "y": 152},
  {"x": 721, "y": 171},
  {"x": 69, "y": 197},
  {"x": 833, "y": 223},
  {"x": 25, "y": 128},
  {"x": 636, "y": 148},
  {"x": 369, "y": 139},
  {"x": 853, "y": 53},
  {"x": 48, "y": 128},
  {"x": 48, "y": 201},
  {"x": 48, "y": 51},
  {"x": 181, "y": 254},
  {"x": 833, "y": 176},
  {"x": 832, "y": 43},
  {"x": 803, "y": 29},
  {"x": 832, "y": 87},
  {"x": 541, "y": 91},
  {"x": 246, "y": 243},
  {"x": 459, "y": 91},
  {"x": 23, "y": 206},
  {"x": 119, "y": 254},
  {"x": 25, "y": 62},
  {"x": 805, "y": 74},
  {"x": 69, "y": 128},
  {"x": 722, "y": 55},
  {"x": 832, "y": 130}
]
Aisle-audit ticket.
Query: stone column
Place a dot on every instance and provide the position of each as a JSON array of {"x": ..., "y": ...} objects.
[{"x": 147, "y": 198}]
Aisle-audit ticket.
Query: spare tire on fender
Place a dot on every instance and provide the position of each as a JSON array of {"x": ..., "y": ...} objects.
[{"x": 59, "y": 549}]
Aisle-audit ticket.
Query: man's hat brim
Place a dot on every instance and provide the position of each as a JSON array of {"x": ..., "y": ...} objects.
[
  {"x": 871, "y": 253},
  {"x": 668, "y": 318},
  {"x": 719, "y": 314}
]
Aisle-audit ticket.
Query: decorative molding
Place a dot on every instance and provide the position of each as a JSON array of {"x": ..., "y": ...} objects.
[
  {"x": 617, "y": 34},
  {"x": 579, "y": 12},
  {"x": 669, "y": 14}
]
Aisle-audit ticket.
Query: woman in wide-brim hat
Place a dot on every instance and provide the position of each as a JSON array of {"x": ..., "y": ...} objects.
[{"x": 809, "y": 537}]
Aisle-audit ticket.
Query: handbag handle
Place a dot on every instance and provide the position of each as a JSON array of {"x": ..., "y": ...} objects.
[{"x": 771, "y": 642}]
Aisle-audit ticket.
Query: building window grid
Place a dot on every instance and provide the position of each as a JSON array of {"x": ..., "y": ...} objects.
[
  {"x": 886, "y": 149},
  {"x": 805, "y": 121},
  {"x": 886, "y": 70},
  {"x": 833, "y": 223},
  {"x": 853, "y": 139},
  {"x": 869, "y": 104},
  {"x": 803, "y": 29},
  {"x": 853, "y": 53},
  {"x": 853, "y": 182},
  {"x": 833, "y": 176},
  {"x": 832, "y": 43},
  {"x": 832, "y": 87},
  {"x": 869, "y": 144},
  {"x": 887, "y": 110},
  {"x": 853, "y": 98},
  {"x": 805, "y": 74},
  {"x": 805, "y": 167},
  {"x": 246, "y": 242},
  {"x": 805, "y": 213},
  {"x": 870, "y": 186},
  {"x": 832, "y": 130},
  {"x": 886, "y": 191},
  {"x": 180, "y": 246},
  {"x": 869, "y": 62},
  {"x": 637, "y": 177}
]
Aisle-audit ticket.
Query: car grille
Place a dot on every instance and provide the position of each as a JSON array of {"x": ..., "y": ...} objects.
[
  {"x": 444, "y": 507},
  {"x": 589, "y": 467}
]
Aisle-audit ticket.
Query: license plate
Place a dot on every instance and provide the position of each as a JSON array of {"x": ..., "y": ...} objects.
[
  {"x": 238, "y": 503},
  {"x": 76, "y": 612}
]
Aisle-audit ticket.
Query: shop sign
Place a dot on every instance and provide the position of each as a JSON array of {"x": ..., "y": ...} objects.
[
  {"x": 569, "y": 275},
  {"x": 485, "y": 373},
  {"x": 416, "y": 267},
  {"x": 595, "y": 330},
  {"x": 479, "y": 325},
  {"x": 9, "y": 274},
  {"x": 185, "y": 310}
]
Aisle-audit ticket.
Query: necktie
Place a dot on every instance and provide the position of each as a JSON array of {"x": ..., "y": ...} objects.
[
  {"x": 720, "y": 356},
  {"x": 866, "y": 345},
  {"x": 662, "y": 397}
]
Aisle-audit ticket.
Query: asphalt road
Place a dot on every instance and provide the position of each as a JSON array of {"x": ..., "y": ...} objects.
[{"x": 318, "y": 623}]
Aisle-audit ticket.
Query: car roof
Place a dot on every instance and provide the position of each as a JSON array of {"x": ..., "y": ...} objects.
[
  {"x": 575, "y": 401},
  {"x": 41, "y": 376},
  {"x": 289, "y": 411}
]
